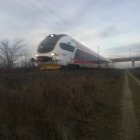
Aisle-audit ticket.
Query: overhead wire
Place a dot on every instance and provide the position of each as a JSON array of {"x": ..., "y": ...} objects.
[
  {"x": 61, "y": 22},
  {"x": 53, "y": 13},
  {"x": 34, "y": 7},
  {"x": 38, "y": 10}
]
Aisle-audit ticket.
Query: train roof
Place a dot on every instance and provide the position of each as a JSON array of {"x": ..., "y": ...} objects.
[{"x": 58, "y": 36}]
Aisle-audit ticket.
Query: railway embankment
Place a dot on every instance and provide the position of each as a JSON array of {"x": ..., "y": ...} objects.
[{"x": 61, "y": 105}]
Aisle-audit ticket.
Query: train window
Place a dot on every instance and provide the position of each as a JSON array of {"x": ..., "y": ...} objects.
[
  {"x": 83, "y": 56},
  {"x": 46, "y": 45},
  {"x": 67, "y": 47}
]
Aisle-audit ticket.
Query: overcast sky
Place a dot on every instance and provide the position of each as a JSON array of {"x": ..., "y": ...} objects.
[{"x": 113, "y": 25}]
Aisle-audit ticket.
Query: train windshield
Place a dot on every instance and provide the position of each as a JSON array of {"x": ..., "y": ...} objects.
[{"x": 48, "y": 44}]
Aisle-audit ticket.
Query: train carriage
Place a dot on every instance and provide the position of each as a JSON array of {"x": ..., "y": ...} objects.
[{"x": 56, "y": 51}]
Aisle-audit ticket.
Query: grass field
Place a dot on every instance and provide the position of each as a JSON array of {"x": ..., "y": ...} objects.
[
  {"x": 136, "y": 72},
  {"x": 62, "y": 105}
]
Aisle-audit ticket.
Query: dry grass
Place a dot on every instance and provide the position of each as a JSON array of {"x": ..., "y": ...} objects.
[
  {"x": 64, "y": 105},
  {"x": 136, "y": 72}
]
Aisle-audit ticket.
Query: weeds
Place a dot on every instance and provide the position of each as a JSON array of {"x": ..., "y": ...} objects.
[{"x": 64, "y": 105}]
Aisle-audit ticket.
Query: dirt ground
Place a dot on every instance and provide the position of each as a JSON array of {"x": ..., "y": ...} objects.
[{"x": 129, "y": 120}]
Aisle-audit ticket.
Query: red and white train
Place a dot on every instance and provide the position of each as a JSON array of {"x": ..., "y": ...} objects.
[{"x": 56, "y": 51}]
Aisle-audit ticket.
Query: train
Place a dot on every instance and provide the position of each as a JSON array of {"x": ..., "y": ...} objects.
[{"x": 59, "y": 50}]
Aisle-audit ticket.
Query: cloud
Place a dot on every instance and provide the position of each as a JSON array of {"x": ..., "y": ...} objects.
[
  {"x": 109, "y": 31},
  {"x": 123, "y": 51},
  {"x": 114, "y": 29},
  {"x": 92, "y": 22}
]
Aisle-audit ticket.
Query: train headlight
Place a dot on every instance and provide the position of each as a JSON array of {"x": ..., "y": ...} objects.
[
  {"x": 36, "y": 55},
  {"x": 52, "y": 35},
  {"x": 52, "y": 54}
]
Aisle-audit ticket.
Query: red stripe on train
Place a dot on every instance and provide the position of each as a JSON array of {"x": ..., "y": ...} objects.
[{"x": 83, "y": 62}]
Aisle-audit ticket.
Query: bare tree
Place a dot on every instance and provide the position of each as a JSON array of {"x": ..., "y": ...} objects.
[
  {"x": 25, "y": 60},
  {"x": 9, "y": 53}
]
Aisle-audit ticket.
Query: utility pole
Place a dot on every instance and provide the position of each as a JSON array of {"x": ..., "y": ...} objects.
[
  {"x": 130, "y": 54},
  {"x": 132, "y": 60},
  {"x": 98, "y": 57}
]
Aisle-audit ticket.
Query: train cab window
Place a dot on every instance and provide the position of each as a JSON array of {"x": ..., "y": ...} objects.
[
  {"x": 67, "y": 47},
  {"x": 48, "y": 44}
]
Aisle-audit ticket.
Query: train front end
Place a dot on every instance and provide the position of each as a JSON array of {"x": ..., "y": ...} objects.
[{"x": 45, "y": 56}]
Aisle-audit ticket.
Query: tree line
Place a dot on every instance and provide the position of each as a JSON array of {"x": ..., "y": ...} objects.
[{"x": 13, "y": 55}]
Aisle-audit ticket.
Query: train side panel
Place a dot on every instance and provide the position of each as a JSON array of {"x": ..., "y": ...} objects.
[{"x": 65, "y": 51}]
